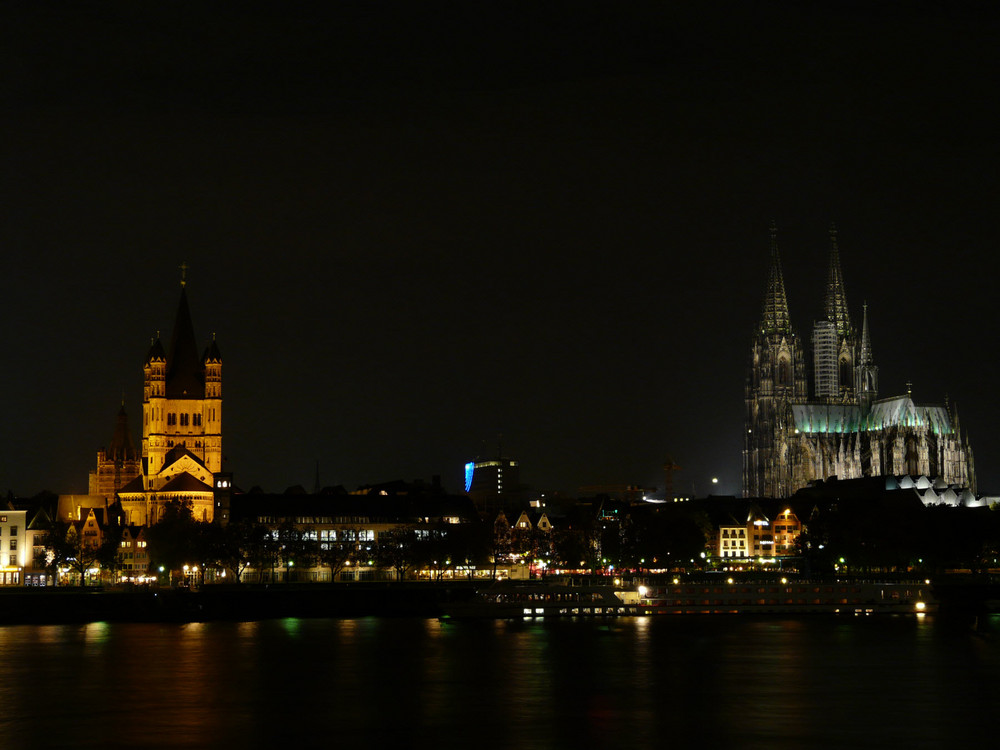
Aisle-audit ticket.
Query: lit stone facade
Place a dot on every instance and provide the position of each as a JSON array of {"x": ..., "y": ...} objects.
[
  {"x": 181, "y": 426},
  {"x": 182, "y": 398},
  {"x": 793, "y": 437},
  {"x": 15, "y": 553},
  {"x": 118, "y": 464}
]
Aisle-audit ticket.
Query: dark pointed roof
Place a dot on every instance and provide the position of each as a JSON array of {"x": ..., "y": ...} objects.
[
  {"x": 41, "y": 520},
  {"x": 184, "y": 482},
  {"x": 836, "y": 297},
  {"x": 136, "y": 485},
  {"x": 185, "y": 377},
  {"x": 122, "y": 446},
  {"x": 775, "y": 317},
  {"x": 156, "y": 351},
  {"x": 212, "y": 353}
]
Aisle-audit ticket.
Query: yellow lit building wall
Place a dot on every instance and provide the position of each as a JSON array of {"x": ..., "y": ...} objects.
[{"x": 14, "y": 548}]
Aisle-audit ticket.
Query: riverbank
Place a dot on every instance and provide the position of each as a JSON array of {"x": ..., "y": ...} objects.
[
  {"x": 227, "y": 602},
  {"x": 248, "y": 602}
]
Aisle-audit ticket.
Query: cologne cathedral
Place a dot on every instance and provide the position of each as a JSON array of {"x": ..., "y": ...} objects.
[{"x": 818, "y": 415}]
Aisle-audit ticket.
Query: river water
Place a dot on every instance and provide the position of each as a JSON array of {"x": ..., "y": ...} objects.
[{"x": 666, "y": 681}]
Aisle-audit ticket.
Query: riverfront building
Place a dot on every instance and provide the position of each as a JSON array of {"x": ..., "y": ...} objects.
[
  {"x": 14, "y": 550},
  {"x": 493, "y": 483}
]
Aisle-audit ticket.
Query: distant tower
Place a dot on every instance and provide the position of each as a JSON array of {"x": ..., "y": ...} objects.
[
  {"x": 837, "y": 314},
  {"x": 776, "y": 378},
  {"x": 182, "y": 396},
  {"x": 119, "y": 464},
  {"x": 866, "y": 373},
  {"x": 669, "y": 467},
  {"x": 493, "y": 482}
]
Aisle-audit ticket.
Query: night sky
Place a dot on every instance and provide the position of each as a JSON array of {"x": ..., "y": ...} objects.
[{"x": 415, "y": 227}]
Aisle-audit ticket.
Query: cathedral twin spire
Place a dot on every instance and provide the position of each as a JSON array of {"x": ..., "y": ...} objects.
[
  {"x": 837, "y": 358},
  {"x": 836, "y": 297},
  {"x": 775, "y": 317}
]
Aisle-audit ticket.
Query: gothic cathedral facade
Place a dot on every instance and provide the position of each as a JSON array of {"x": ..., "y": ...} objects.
[{"x": 820, "y": 417}]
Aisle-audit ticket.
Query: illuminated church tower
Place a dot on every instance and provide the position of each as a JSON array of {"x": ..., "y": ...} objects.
[
  {"x": 777, "y": 377},
  {"x": 841, "y": 428},
  {"x": 181, "y": 425},
  {"x": 182, "y": 397}
]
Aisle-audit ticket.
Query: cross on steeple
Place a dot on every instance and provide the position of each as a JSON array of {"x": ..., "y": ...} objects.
[{"x": 184, "y": 267}]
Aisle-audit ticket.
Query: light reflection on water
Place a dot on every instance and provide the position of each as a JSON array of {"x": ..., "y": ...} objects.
[{"x": 813, "y": 681}]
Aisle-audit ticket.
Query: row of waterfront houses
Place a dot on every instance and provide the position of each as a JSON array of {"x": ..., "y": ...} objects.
[{"x": 737, "y": 530}]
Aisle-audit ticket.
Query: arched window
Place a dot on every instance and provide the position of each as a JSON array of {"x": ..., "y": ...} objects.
[
  {"x": 782, "y": 372},
  {"x": 845, "y": 372},
  {"x": 912, "y": 457}
]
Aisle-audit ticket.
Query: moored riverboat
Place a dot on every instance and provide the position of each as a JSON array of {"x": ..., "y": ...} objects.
[
  {"x": 513, "y": 600},
  {"x": 843, "y": 597},
  {"x": 853, "y": 597}
]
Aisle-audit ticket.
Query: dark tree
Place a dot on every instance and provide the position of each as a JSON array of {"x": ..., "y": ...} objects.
[
  {"x": 338, "y": 553},
  {"x": 172, "y": 538},
  {"x": 501, "y": 542},
  {"x": 668, "y": 536},
  {"x": 574, "y": 548},
  {"x": 243, "y": 545},
  {"x": 396, "y": 550}
]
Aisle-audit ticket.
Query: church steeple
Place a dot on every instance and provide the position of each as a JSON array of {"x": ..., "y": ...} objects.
[
  {"x": 122, "y": 447},
  {"x": 866, "y": 341},
  {"x": 182, "y": 397},
  {"x": 184, "y": 371},
  {"x": 775, "y": 317},
  {"x": 836, "y": 298},
  {"x": 866, "y": 373}
]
